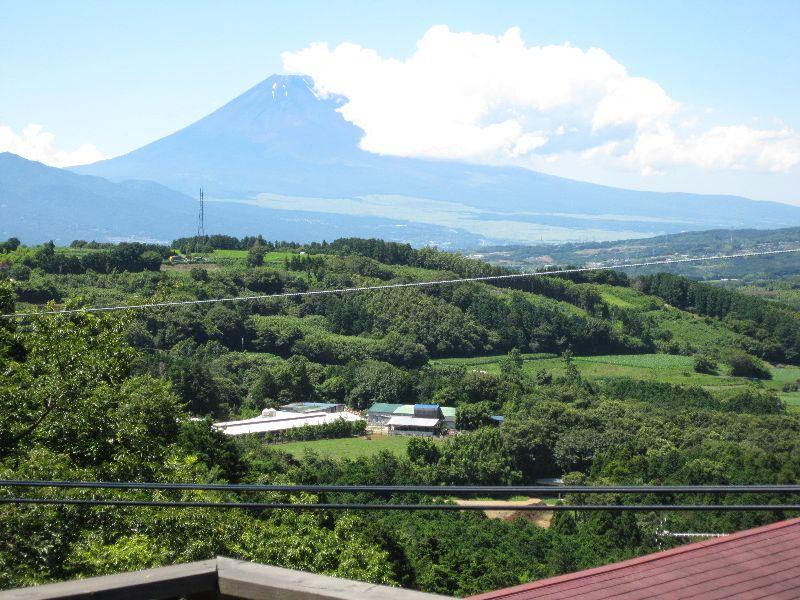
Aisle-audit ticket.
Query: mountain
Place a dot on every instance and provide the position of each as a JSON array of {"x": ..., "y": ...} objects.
[
  {"x": 280, "y": 145},
  {"x": 39, "y": 203}
]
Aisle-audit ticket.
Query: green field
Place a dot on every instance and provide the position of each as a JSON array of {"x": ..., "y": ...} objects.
[
  {"x": 492, "y": 360},
  {"x": 348, "y": 447},
  {"x": 628, "y": 298},
  {"x": 665, "y": 368},
  {"x": 241, "y": 256}
]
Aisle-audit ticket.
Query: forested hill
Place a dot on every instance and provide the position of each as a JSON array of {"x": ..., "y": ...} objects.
[
  {"x": 678, "y": 245},
  {"x": 601, "y": 377}
]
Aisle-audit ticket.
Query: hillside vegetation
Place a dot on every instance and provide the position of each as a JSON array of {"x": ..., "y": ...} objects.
[
  {"x": 601, "y": 377},
  {"x": 755, "y": 270}
]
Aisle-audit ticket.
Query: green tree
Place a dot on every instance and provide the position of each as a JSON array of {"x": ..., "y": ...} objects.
[
  {"x": 473, "y": 416},
  {"x": 422, "y": 451},
  {"x": 255, "y": 255},
  {"x": 373, "y": 381},
  {"x": 571, "y": 372},
  {"x": 66, "y": 359}
]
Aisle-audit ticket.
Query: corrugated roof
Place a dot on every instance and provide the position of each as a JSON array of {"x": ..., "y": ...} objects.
[
  {"x": 756, "y": 563},
  {"x": 408, "y": 409},
  {"x": 404, "y": 421},
  {"x": 383, "y": 407},
  {"x": 281, "y": 421}
]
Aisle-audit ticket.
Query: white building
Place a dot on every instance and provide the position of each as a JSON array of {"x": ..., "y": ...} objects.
[{"x": 272, "y": 420}]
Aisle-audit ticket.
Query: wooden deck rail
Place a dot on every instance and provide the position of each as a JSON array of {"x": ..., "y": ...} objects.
[{"x": 211, "y": 579}]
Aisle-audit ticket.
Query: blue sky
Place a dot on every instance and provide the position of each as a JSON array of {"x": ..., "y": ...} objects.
[{"x": 117, "y": 75}]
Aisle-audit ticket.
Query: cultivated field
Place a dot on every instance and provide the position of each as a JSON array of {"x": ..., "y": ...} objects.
[
  {"x": 665, "y": 368},
  {"x": 348, "y": 447}
]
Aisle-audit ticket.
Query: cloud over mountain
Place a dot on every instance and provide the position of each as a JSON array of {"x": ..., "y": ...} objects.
[
  {"x": 35, "y": 143},
  {"x": 496, "y": 99}
]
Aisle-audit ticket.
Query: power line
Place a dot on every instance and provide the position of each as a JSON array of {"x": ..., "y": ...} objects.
[
  {"x": 409, "y": 507},
  {"x": 692, "y": 535},
  {"x": 391, "y": 285},
  {"x": 421, "y": 489}
]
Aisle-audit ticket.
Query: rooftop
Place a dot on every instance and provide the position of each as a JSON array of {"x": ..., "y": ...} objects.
[
  {"x": 384, "y": 407},
  {"x": 403, "y": 421},
  {"x": 755, "y": 563},
  {"x": 310, "y": 406},
  {"x": 280, "y": 420},
  {"x": 408, "y": 409}
]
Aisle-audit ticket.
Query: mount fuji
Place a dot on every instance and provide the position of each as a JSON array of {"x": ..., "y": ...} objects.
[{"x": 284, "y": 149}]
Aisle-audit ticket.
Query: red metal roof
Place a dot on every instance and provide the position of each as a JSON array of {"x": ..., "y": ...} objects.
[{"x": 756, "y": 563}]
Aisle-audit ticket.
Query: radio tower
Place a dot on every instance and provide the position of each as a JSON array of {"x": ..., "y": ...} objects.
[{"x": 200, "y": 238}]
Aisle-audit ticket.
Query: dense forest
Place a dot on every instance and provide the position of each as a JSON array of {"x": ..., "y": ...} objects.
[{"x": 131, "y": 395}]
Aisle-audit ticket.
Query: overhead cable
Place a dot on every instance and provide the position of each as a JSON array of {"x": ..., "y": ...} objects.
[
  {"x": 409, "y": 507},
  {"x": 419, "y": 489},
  {"x": 388, "y": 286}
]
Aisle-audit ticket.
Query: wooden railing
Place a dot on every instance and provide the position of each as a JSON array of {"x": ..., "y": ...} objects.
[{"x": 212, "y": 579}]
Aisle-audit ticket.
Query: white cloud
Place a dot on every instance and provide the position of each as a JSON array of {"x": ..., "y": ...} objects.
[
  {"x": 732, "y": 147},
  {"x": 36, "y": 144},
  {"x": 496, "y": 99}
]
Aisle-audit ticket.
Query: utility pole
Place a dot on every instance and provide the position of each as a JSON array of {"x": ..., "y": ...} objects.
[{"x": 199, "y": 240}]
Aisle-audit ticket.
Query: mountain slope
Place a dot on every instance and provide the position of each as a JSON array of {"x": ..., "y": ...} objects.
[
  {"x": 281, "y": 140},
  {"x": 39, "y": 203}
]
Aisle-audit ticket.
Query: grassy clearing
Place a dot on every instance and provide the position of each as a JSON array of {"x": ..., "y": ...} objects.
[
  {"x": 491, "y": 360},
  {"x": 348, "y": 447},
  {"x": 624, "y": 297},
  {"x": 77, "y": 251},
  {"x": 666, "y": 368},
  {"x": 782, "y": 375},
  {"x": 419, "y": 273},
  {"x": 701, "y": 333},
  {"x": 241, "y": 256}
]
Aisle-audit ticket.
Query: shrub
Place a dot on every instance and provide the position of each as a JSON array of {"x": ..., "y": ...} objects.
[
  {"x": 199, "y": 274},
  {"x": 19, "y": 272},
  {"x": 255, "y": 256},
  {"x": 744, "y": 365},
  {"x": 704, "y": 364},
  {"x": 336, "y": 429},
  {"x": 755, "y": 402}
]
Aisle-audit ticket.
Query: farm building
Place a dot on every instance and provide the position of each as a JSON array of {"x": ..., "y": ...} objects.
[
  {"x": 380, "y": 413},
  {"x": 272, "y": 420},
  {"x": 306, "y": 407},
  {"x": 402, "y": 425}
]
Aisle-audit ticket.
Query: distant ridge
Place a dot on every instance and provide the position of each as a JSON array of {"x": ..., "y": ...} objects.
[
  {"x": 40, "y": 203},
  {"x": 283, "y": 140}
]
